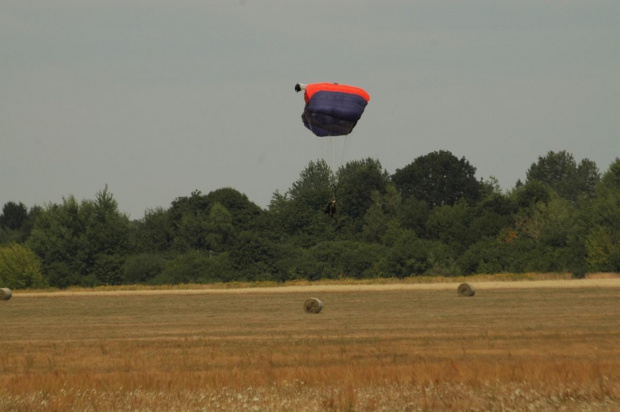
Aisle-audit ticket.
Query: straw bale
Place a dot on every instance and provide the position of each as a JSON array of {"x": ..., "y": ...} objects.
[
  {"x": 465, "y": 289},
  {"x": 313, "y": 305},
  {"x": 5, "y": 294}
]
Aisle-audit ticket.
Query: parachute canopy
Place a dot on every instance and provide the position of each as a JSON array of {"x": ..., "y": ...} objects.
[{"x": 333, "y": 109}]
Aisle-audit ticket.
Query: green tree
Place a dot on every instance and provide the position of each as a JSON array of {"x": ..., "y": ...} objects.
[
  {"x": 220, "y": 229},
  {"x": 194, "y": 203},
  {"x": 412, "y": 256},
  {"x": 603, "y": 248},
  {"x": 413, "y": 215},
  {"x": 338, "y": 259},
  {"x": 438, "y": 178},
  {"x": 198, "y": 223},
  {"x": 451, "y": 224},
  {"x": 588, "y": 177},
  {"x": 357, "y": 181},
  {"x": 192, "y": 231},
  {"x": 187, "y": 220},
  {"x": 154, "y": 233},
  {"x": 58, "y": 237},
  {"x": 106, "y": 228},
  {"x": 242, "y": 211},
  {"x": 16, "y": 222},
  {"x": 20, "y": 268},
  {"x": 531, "y": 221},
  {"x": 561, "y": 172},
  {"x": 256, "y": 257},
  {"x": 531, "y": 193},
  {"x": 603, "y": 242},
  {"x": 81, "y": 242},
  {"x": 381, "y": 220},
  {"x": 195, "y": 267},
  {"x": 14, "y": 216},
  {"x": 485, "y": 256},
  {"x": 315, "y": 186},
  {"x": 298, "y": 214},
  {"x": 143, "y": 267},
  {"x": 492, "y": 215}
]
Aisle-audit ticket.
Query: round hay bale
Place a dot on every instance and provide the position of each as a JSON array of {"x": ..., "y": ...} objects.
[
  {"x": 5, "y": 294},
  {"x": 313, "y": 305},
  {"x": 465, "y": 289}
]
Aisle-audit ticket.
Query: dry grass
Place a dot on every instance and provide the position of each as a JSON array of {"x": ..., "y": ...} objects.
[
  {"x": 372, "y": 348},
  {"x": 603, "y": 275},
  {"x": 415, "y": 280}
]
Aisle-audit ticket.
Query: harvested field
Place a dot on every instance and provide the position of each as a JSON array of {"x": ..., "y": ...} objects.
[{"x": 514, "y": 346}]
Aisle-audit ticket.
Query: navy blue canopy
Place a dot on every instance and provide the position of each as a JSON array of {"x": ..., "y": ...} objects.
[{"x": 333, "y": 109}]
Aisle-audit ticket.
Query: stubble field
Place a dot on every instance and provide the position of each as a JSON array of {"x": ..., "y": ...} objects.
[{"x": 542, "y": 346}]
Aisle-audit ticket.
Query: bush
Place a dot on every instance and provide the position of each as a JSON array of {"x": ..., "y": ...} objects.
[
  {"x": 258, "y": 258},
  {"x": 108, "y": 269},
  {"x": 485, "y": 256},
  {"x": 20, "y": 268},
  {"x": 195, "y": 267},
  {"x": 143, "y": 268},
  {"x": 340, "y": 259},
  {"x": 60, "y": 275},
  {"x": 411, "y": 256}
]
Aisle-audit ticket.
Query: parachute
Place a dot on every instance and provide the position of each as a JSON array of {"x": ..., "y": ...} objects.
[{"x": 332, "y": 109}]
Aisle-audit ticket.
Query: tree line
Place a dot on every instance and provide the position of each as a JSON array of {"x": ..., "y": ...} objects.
[{"x": 432, "y": 217}]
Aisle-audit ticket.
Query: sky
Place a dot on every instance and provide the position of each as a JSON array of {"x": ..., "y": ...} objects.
[{"x": 155, "y": 99}]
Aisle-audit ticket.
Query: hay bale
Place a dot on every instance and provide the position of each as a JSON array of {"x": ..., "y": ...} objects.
[
  {"x": 5, "y": 294},
  {"x": 465, "y": 289},
  {"x": 313, "y": 305}
]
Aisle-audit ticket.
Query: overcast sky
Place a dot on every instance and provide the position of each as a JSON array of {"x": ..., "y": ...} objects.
[{"x": 156, "y": 99}]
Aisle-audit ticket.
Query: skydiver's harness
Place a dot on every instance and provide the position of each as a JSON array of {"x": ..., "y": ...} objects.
[{"x": 330, "y": 209}]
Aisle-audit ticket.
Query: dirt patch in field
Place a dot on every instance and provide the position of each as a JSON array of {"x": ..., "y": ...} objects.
[{"x": 596, "y": 282}]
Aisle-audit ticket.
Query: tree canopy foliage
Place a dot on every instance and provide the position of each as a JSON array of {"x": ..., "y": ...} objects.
[
  {"x": 438, "y": 178},
  {"x": 561, "y": 172},
  {"x": 431, "y": 217}
]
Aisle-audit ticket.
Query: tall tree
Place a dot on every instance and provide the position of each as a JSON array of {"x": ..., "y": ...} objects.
[
  {"x": 154, "y": 232},
  {"x": 315, "y": 185},
  {"x": 58, "y": 237},
  {"x": 382, "y": 220},
  {"x": 13, "y": 215},
  {"x": 439, "y": 178},
  {"x": 357, "y": 181},
  {"x": 561, "y": 172},
  {"x": 220, "y": 228},
  {"x": 81, "y": 243},
  {"x": 529, "y": 194},
  {"x": 16, "y": 222},
  {"x": 243, "y": 212},
  {"x": 603, "y": 242},
  {"x": 188, "y": 217},
  {"x": 451, "y": 224},
  {"x": 299, "y": 212}
]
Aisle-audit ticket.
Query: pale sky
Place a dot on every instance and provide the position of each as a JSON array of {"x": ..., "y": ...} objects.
[{"x": 156, "y": 99}]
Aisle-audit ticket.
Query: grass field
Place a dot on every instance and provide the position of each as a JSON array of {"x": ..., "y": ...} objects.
[{"x": 542, "y": 346}]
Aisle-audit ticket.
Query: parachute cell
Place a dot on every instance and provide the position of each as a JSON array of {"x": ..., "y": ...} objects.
[{"x": 333, "y": 109}]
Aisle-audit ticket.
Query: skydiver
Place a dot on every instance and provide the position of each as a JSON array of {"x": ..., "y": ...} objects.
[{"x": 330, "y": 209}]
